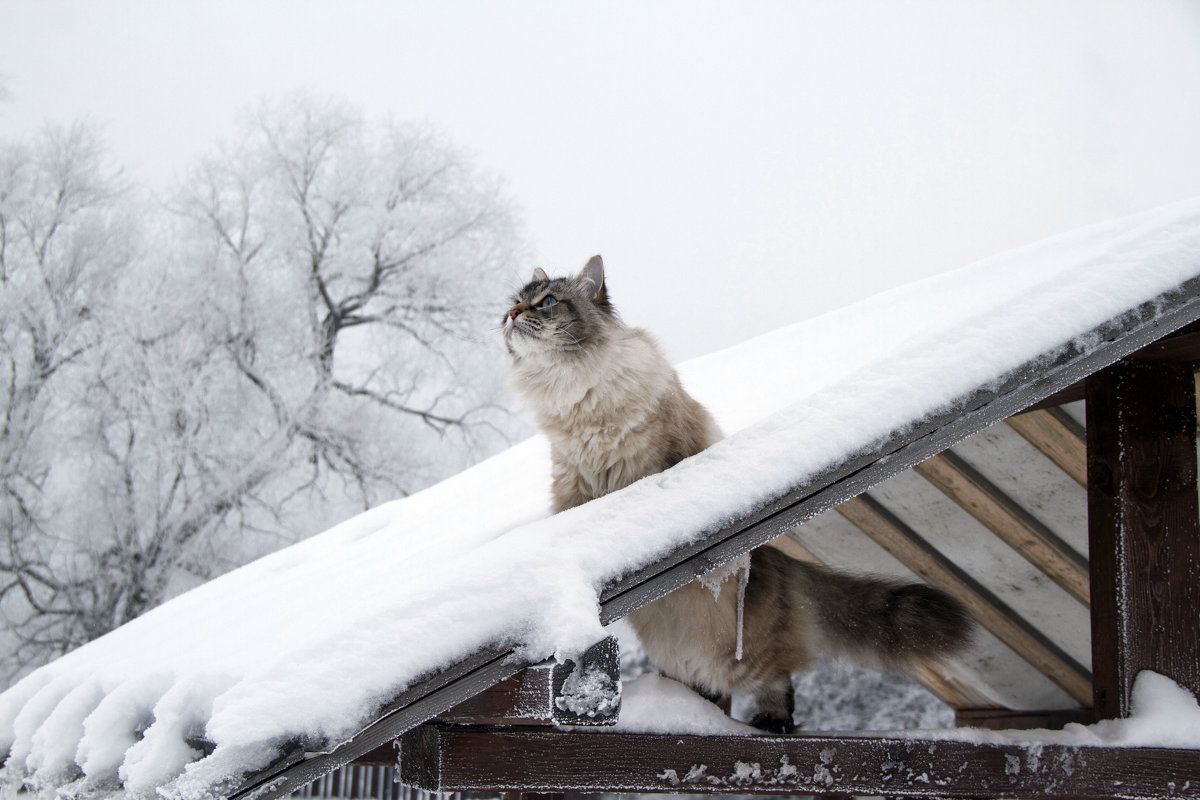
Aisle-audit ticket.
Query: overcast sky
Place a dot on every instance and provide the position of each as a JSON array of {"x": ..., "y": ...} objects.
[{"x": 740, "y": 165}]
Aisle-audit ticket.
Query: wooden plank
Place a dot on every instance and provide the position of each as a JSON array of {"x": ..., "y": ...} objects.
[
  {"x": 1006, "y": 719},
  {"x": 911, "y": 443},
  {"x": 908, "y": 547},
  {"x": 436, "y": 758},
  {"x": 983, "y": 500},
  {"x": 542, "y": 694},
  {"x": 1054, "y": 437},
  {"x": 1182, "y": 346},
  {"x": 1071, "y": 394},
  {"x": 788, "y": 545},
  {"x": 948, "y": 688},
  {"x": 1144, "y": 528}
]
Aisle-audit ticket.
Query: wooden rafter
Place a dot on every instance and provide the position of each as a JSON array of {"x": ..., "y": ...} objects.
[
  {"x": 1057, "y": 436},
  {"x": 912, "y": 550},
  {"x": 983, "y": 500}
]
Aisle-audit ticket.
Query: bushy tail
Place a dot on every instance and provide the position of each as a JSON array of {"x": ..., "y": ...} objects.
[{"x": 885, "y": 621}]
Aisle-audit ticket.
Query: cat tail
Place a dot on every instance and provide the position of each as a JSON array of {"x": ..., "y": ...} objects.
[{"x": 884, "y": 621}]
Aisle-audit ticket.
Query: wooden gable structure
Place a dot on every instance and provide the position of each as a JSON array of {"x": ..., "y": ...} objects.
[{"x": 1130, "y": 452}]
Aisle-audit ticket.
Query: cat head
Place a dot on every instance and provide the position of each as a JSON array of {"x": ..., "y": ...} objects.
[{"x": 551, "y": 316}]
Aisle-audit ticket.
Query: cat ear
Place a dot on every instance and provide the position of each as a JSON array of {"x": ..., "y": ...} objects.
[
  {"x": 593, "y": 273},
  {"x": 539, "y": 276}
]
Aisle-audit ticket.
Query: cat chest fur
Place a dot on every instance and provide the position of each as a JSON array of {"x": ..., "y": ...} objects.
[{"x": 611, "y": 417}]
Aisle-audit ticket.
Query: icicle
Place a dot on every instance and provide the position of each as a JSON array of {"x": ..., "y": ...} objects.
[
  {"x": 743, "y": 580},
  {"x": 714, "y": 580}
]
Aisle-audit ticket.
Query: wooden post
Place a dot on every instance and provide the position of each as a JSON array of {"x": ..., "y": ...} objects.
[{"x": 1144, "y": 528}]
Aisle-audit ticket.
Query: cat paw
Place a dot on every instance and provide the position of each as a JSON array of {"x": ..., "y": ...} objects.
[{"x": 771, "y": 724}]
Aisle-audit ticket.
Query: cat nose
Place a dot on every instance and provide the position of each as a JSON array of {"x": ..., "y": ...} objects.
[{"x": 517, "y": 309}]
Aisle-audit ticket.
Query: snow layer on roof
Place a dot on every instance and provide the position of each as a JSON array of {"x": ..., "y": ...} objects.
[{"x": 305, "y": 644}]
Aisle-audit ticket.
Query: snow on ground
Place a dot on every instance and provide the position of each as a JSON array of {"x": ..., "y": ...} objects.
[
  {"x": 306, "y": 643},
  {"x": 1162, "y": 714},
  {"x": 654, "y": 704}
]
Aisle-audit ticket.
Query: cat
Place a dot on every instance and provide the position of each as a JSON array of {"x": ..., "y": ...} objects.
[{"x": 615, "y": 411}]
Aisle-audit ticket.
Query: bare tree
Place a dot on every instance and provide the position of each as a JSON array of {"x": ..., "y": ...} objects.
[
  {"x": 354, "y": 274},
  {"x": 305, "y": 332},
  {"x": 62, "y": 240}
]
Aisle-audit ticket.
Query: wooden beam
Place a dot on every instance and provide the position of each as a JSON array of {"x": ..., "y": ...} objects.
[
  {"x": 912, "y": 550},
  {"x": 1058, "y": 438},
  {"x": 1144, "y": 529},
  {"x": 789, "y": 545},
  {"x": 442, "y": 759},
  {"x": 1181, "y": 347},
  {"x": 949, "y": 689},
  {"x": 983, "y": 500},
  {"x": 1006, "y": 719},
  {"x": 547, "y": 694},
  {"x": 1071, "y": 394}
]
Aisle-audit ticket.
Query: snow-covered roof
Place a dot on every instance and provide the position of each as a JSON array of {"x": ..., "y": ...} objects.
[{"x": 303, "y": 648}]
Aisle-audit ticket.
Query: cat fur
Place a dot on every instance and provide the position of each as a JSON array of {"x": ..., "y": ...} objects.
[{"x": 614, "y": 411}]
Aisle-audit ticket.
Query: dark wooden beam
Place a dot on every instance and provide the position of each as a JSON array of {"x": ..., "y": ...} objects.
[
  {"x": 1181, "y": 347},
  {"x": 1006, "y": 719},
  {"x": 547, "y": 694},
  {"x": 1001, "y": 620},
  {"x": 1144, "y": 529},
  {"x": 442, "y": 759},
  {"x": 1073, "y": 393}
]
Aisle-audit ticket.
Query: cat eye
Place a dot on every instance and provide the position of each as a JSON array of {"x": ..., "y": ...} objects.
[{"x": 547, "y": 301}]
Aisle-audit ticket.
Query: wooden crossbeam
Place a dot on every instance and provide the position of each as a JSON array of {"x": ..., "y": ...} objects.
[
  {"x": 1057, "y": 436},
  {"x": 544, "y": 694},
  {"x": 983, "y": 500},
  {"x": 912, "y": 550},
  {"x": 1144, "y": 528},
  {"x": 443, "y": 759}
]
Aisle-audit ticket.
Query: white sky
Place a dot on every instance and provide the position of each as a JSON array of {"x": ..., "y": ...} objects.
[{"x": 740, "y": 165}]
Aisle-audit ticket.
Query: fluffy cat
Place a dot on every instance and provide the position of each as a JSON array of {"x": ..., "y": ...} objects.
[{"x": 614, "y": 412}]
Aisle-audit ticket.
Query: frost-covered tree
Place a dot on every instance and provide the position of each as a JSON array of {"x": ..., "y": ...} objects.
[
  {"x": 64, "y": 238},
  {"x": 353, "y": 275},
  {"x": 300, "y": 330}
]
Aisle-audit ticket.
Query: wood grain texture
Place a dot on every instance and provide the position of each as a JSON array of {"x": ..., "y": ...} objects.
[
  {"x": 979, "y": 497},
  {"x": 436, "y": 758},
  {"x": 1144, "y": 529},
  {"x": 535, "y": 696},
  {"x": 908, "y": 547},
  {"x": 1005, "y": 719},
  {"x": 1055, "y": 439}
]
